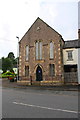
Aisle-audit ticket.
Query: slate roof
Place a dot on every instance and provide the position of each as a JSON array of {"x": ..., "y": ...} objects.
[{"x": 72, "y": 44}]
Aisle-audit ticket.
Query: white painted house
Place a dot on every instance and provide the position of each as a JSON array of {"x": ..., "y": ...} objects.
[
  {"x": 71, "y": 60},
  {"x": 15, "y": 70},
  {"x": 70, "y": 56},
  {"x": 79, "y": 65}
]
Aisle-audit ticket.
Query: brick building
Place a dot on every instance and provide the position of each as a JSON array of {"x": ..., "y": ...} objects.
[{"x": 40, "y": 54}]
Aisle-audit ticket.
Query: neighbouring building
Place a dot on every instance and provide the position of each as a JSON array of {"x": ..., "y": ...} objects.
[
  {"x": 70, "y": 58},
  {"x": 40, "y": 53},
  {"x": 45, "y": 56},
  {"x": 79, "y": 56},
  {"x": 1, "y": 71},
  {"x": 15, "y": 70}
]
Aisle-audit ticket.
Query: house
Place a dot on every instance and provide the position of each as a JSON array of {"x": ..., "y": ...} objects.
[
  {"x": 1, "y": 71},
  {"x": 15, "y": 70},
  {"x": 79, "y": 56},
  {"x": 71, "y": 54},
  {"x": 40, "y": 54},
  {"x": 70, "y": 58}
]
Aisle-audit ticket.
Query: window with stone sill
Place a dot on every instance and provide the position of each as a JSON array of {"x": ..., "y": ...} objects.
[
  {"x": 51, "y": 50},
  {"x": 51, "y": 70},
  {"x": 26, "y": 71},
  {"x": 27, "y": 52},
  {"x": 38, "y": 47}
]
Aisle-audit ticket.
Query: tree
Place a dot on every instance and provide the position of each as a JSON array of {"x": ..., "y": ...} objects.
[
  {"x": 0, "y": 63},
  {"x": 9, "y": 63},
  {"x": 15, "y": 62},
  {"x": 11, "y": 56},
  {"x": 6, "y": 64}
]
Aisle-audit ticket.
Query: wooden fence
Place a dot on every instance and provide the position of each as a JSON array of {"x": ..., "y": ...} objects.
[{"x": 70, "y": 77}]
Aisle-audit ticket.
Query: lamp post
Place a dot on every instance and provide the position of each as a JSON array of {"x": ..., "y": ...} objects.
[{"x": 17, "y": 58}]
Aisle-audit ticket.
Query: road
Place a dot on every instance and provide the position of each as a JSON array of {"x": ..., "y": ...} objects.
[{"x": 37, "y": 103}]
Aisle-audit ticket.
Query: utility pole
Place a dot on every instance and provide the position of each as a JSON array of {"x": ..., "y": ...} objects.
[{"x": 17, "y": 58}]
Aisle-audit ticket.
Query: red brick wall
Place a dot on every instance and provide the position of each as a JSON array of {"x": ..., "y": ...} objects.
[{"x": 45, "y": 34}]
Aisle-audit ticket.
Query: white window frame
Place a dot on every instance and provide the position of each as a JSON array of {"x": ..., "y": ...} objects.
[
  {"x": 27, "y": 52},
  {"x": 38, "y": 47},
  {"x": 40, "y": 50},
  {"x": 51, "y": 50},
  {"x": 70, "y": 55}
]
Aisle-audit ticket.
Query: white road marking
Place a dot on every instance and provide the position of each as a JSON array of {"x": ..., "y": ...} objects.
[{"x": 70, "y": 111}]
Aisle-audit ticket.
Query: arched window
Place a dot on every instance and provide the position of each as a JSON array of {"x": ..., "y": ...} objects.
[
  {"x": 51, "y": 50},
  {"x": 38, "y": 50},
  {"x": 37, "y": 47},
  {"x": 27, "y": 53}
]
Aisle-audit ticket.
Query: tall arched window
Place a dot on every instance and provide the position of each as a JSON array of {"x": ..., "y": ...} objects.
[
  {"x": 27, "y": 53},
  {"x": 51, "y": 50},
  {"x": 38, "y": 50}
]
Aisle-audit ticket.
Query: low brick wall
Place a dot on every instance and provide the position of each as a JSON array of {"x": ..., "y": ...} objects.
[
  {"x": 22, "y": 82},
  {"x": 42, "y": 83},
  {"x": 52, "y": 83},
  {"x": 47, "y": 80}
]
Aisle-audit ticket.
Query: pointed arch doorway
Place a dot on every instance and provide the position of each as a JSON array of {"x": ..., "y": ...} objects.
[{"x": 38, "y": 74}]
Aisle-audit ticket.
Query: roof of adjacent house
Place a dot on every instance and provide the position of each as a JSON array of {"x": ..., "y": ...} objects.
[{"x": 72, "y": 44}]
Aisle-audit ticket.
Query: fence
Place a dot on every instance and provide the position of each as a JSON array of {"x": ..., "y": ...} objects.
[{"x": 70, "y": 77}]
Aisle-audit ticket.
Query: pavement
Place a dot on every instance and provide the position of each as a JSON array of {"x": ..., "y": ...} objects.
[{"x": 7, "y": 83}]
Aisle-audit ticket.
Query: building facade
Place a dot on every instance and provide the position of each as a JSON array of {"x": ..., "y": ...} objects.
[
  {"x": 70, "y": 58},
  {"x": 79, "y": 56},
  {"x": 45, "y": 56},
  {"x": 40, "y": 54}
]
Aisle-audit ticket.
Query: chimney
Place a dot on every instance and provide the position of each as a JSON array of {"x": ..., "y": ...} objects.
[{"x": 78, "y": 33}]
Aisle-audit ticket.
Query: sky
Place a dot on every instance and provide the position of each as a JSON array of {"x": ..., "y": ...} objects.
[
  {"x": 79, "y": 14},
  {"x": 16, "y": 17}
]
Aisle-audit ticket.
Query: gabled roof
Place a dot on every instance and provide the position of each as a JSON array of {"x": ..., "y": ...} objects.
[
  {"x": 47, "y": 25},
  {"x": 44, "y": 23},
  {"x": 72, "y": 44}
]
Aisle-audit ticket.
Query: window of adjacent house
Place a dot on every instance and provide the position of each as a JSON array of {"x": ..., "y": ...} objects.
[
  {"x": 38, "y": 50},
  {"x": 26, "y": 70},
  {"x": 27, "y": 52},
  {"x": 70, "y": 55},
  {"x": 51, "y": 69},
  {"x": 51, "y": 50}
]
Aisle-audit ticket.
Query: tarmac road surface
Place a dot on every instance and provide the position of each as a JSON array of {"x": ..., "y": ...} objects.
[{"x": 30, "y": 103}]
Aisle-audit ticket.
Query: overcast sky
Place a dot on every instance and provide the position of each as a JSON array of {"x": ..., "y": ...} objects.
[
  {"x": 79, "y": 14},
  {"x": 16, "y": 16}
]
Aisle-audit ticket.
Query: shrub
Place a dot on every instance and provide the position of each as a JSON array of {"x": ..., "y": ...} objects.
[{"x": 8, "y": 74}]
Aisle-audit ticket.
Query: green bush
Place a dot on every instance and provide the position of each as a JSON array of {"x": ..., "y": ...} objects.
[
  {"x": 8, "y": 74},
  {"x": 0, "y": 75}
]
